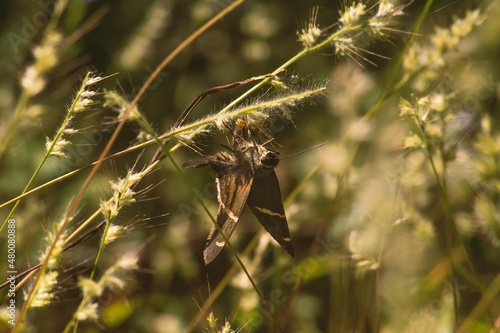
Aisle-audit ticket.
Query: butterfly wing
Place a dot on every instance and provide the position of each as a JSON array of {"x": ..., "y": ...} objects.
[
  {"x": 233, "y": 187},
  {"x": 266, "y": 204}
]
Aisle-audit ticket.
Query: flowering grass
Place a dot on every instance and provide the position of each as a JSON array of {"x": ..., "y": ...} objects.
[{"x": 395, "y": 220}]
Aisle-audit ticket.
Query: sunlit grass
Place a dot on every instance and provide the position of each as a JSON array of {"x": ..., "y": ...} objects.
[{"x": 395, "y": 220}]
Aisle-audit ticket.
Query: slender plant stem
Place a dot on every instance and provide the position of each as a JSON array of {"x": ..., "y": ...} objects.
[
  {"x": 51, "y": 148},
  {"x": 101, "y": 248},
  {"x": 487, "y": 298},
  {"x": 284, "y": 66},
  {"x": 449, "y": 222}
]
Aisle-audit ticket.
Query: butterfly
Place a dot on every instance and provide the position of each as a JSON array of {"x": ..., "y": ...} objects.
[{"x": 245, "y": 175}]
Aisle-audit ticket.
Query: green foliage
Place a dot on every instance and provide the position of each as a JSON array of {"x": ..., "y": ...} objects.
[{"x": 395, "y": 221}]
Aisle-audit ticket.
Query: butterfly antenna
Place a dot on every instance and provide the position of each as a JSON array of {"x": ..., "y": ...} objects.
[{"x": 306, "y": 150}]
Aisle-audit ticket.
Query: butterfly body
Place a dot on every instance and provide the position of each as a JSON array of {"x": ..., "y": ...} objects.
[{"x": 245, "y": 175}]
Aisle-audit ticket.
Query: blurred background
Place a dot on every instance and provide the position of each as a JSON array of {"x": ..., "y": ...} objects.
[{"x": 365, "y": 214}]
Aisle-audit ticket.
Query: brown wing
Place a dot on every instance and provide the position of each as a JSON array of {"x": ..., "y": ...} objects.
[
  {"x": 233, "y": 189},
  {"x": 266, "y": 204},
  {"x": 233, "y": 186}
]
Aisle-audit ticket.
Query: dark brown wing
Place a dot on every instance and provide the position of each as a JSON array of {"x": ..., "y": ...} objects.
[
  {"x": 266, "y": 204},
  {"x": 233, "y": 189}
]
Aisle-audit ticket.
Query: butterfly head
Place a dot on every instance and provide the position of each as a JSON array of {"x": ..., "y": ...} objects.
[{"x": 269, "y": 159}]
